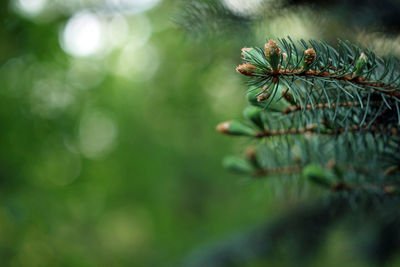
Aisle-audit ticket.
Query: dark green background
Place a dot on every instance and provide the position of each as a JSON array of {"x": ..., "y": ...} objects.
[{"x": 159, "y": 193}]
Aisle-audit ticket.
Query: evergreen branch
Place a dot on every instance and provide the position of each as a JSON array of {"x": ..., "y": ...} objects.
[
  {"x": 292, "y": 109},
  {"x": 344, "y": 68},
  {"x": 283, "y": 170},
  {"x": 230, "y": 128},
  {"x": 349, "y": 103},
  {"x": 208, "y": 18},
  {"x": 359, "y": 82},
  {"x": 367, "y": 187}
]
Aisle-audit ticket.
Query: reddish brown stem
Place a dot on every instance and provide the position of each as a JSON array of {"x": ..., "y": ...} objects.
[
  {"x": 292, "y": 108},
  {"x": 278, "y": 170},
  {"x": 313, "y": 128},
  {"x": 361, "y": 81}
]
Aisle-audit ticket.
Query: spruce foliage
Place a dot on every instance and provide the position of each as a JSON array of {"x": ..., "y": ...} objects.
[{"x": 329, "y": 115}]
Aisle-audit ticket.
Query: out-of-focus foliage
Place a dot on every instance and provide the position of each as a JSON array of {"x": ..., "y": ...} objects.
[
  {"x": 371, "y": 23},
  {"x": 373, "y": 15},
  {"x": 327, "y": 233}
]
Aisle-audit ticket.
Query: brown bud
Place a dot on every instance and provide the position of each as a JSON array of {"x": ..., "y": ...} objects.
[
  {"x": 264, "y": 96},
  {"x": 273, "y": 54},
  {"x": 361, "y": 64},
  {"x": 246, "y": 69},
  {"x": 309, "y": 56},
  {"x": 363, "y": 57},
  {"x": 246, "y": 49},
  {"x": 223, "y": 127},
  {"x": 271, "y": 48},
  {"x": 235, "y": 128}
]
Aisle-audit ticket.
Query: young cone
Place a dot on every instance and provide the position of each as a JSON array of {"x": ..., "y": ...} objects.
[
  {"x": 273, "y": 54},
  {"x": 360, "y": 65},
  {"x": 309, "y": 58},
  {"x": 246, "y": 69},
  {"x": 246, "y": 51},
  {"x": 252, "y": 97},
  {"x": 235, "y": 128}
]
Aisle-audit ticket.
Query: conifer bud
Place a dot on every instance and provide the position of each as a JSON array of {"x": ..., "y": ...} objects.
[
  {"x": 238, "y": 165},
  {"x": 309, "y": 57},
  {"x": 273, "y": 54},
  {"x": 257, "y": 98},
  {"x": 246, "y": 69},
  {"x": 246, "y": 50},
  {"x": 264, "y": 96},
  {"x": 235, "y": 128},
  {"x": 252, "y": 96},
  {"x": 288, "y": 96},
  {"x": 253, "y": 114},
  {"x": 360, "y": 65}
]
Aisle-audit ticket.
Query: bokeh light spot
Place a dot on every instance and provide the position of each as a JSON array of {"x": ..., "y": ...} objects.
[
  {"x": 137, "y": 64},
  {"x": 49, "y": 98},
  {"x": 30, "y": 7},
  {"x": 245, "y": 7},
  {"x": 97, "y": 134},
  {"x": 85, "y": 73},
  {"x": 59, "y": 166},
  {"x": 82, "y": 35},
  {"x": 132, "y": 6},
  {"x": 126, "y": 230},
  {"x": 117, "y": 30}
]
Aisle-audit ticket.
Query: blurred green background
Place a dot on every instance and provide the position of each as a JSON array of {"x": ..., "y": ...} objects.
[
  {"x": 109, "y": 154},
  {"x": 108, "y": 149}
]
